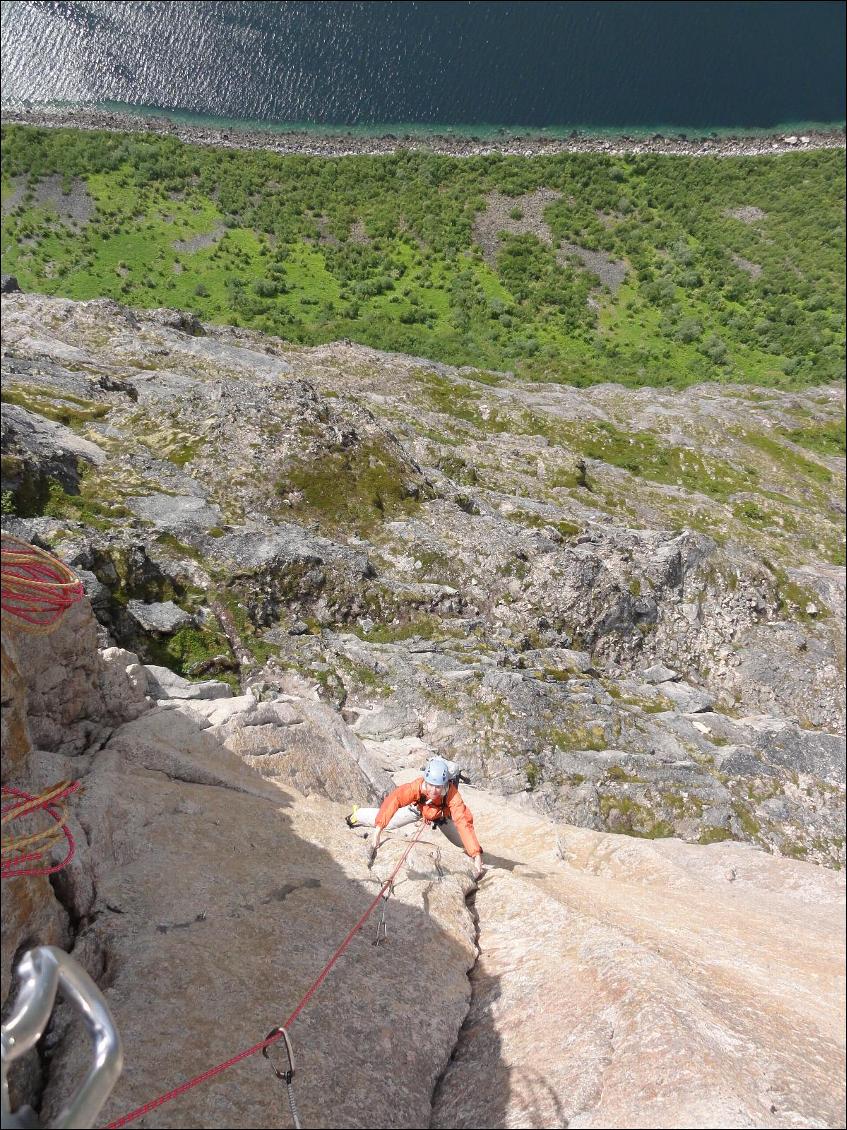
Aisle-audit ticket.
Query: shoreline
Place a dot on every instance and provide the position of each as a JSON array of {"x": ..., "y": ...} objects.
[{"x": 346, "y": 144}]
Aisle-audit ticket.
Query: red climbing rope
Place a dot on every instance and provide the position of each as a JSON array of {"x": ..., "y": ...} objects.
[
  {"x": 20, "y": 850},
  {"x": 37, "y": 589},
  {"x": 304, "y": 1000}
]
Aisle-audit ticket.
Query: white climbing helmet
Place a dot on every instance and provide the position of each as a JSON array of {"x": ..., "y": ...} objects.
[{"x": 437, "y": 772}]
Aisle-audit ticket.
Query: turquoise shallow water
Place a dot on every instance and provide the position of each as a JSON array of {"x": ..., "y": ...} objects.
[
  {"x": 433, "y": 67},
  {"x": 480, "y": 130}
]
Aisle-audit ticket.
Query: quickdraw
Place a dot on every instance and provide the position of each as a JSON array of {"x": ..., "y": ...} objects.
[
  {"x": 287, "y": 1077},
  {"x": 381, "y": 927}
]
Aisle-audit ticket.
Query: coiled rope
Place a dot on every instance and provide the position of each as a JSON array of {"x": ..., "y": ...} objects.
[
  {"x": 36, "y": 591},
  {"x": 37, "y": 588},
  {"x": 24, "y": 854}
]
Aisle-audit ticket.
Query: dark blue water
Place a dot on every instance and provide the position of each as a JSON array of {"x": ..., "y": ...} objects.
[{"x": 693, "y": 65}]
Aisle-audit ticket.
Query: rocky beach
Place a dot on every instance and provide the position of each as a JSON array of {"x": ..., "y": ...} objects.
[{"x": 349, "y": 143}]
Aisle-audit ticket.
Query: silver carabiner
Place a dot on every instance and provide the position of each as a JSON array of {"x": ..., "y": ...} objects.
[
  {"x": 42, "y": 972},
  {"x": 287, "y": 1077}
]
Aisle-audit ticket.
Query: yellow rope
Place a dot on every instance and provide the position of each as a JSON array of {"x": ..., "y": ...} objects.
[
  {"x": 17, "y": 845},
  {"x": 37, "y": 588},
  {"x": 39, "y": 801}
]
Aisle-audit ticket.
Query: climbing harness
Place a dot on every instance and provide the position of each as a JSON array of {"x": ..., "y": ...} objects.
[
  {"x": 42, "y": 972},
  {"x": 37, "y": 588},
  {"x": 24, "y": 854},
  {"x": 287, "y": 1077},
  {"x": 279, "y": 1032}
]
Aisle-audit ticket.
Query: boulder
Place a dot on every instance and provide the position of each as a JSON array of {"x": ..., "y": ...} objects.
[
  {"x": 37, "y": 451},
  {"x": 688, "y": 699},
  {"x": 659, "y": 673},
  {"x": 279, "y": 569},
  {"x": 166, "y": 684},
  {"x": 73, "y": 694},
  {"x": 163, "y": 618},
  {"x": 177, "y": 514}
]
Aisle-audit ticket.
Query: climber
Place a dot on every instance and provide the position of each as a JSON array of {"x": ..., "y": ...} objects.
[{"x": 435, "y": 797}]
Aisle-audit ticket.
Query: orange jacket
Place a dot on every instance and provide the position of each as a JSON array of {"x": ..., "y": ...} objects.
[{"x": 453, "y": 806}]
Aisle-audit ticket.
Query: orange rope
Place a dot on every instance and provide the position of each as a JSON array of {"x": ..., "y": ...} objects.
[{"x": 37, "y": 588}]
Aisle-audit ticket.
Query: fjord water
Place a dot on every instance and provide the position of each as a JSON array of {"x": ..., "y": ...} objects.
[{"x": 645, "y": 65}]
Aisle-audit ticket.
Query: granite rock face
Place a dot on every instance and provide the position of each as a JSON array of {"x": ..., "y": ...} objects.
[
  {"x": 626, "y": 983},
  {"x": 206, "y": 893},
  {"x": 625, "y": 603},
  {"x": 75, "y": 696},
  {"x": 38, "y": 452},
  {"x": 61, "y": 699},
  {"x": 613, "y": 981}
]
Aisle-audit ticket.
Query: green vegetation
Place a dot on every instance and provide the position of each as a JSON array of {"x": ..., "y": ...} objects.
[
  {"x": 462, "y": 403},
  {"x": 72, "y": 411},
  {"x": 731, "y": 273},
  {"x": 363, "y": 676},
  {"x": 657, "y": 705},
  {"x": 354, "y": 488},
  {"x": 714, "y": 835},
  {"x": 539, "y": 521},
  {"x": 645, "y": 454},
  {"x": 793, "y": 849},
  {"x": 824, "y": 437},
  {"x": 239, "y": 619},
  {"x": 624, "y": 815},
  {"x": 794, "y": 597},
  {"x": 179, "y": 548},
  {"x": 534, "y": 774},
  {"x": 423, "y": 626},
  {"x": 747, "y": 820},
  {"x": 616, "y": 774},
  {"x": 86, "y": 507},
  {"x": 649, "y": 456},
  {"x": 683, "y": 806},
  {"x": 189, "y": 647},
  {"x": 788, "y": 460},
  {"x": 576, "y": 738}
]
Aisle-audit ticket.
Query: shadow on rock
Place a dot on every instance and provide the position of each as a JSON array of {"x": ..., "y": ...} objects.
[{"x": 215, "y": 898}]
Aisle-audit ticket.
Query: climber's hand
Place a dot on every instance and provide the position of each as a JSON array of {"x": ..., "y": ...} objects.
[
  {"x": 370, "y": 853},
  {"x": 478, "y": 867}
]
